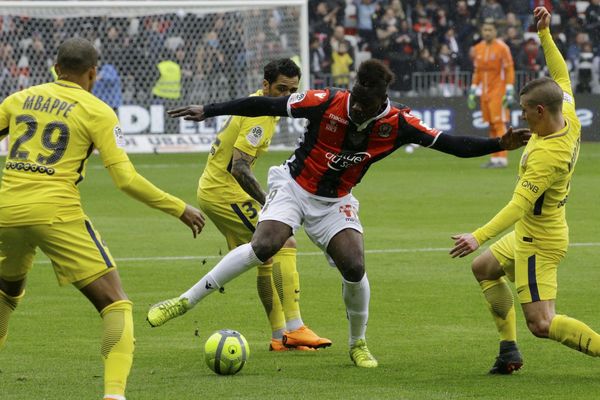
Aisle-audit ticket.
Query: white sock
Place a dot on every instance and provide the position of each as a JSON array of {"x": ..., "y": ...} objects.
[
  {"x": 294, "y": 324},
  {"x": 356, "y": 297},
  {"x": 236, "y": 262}
]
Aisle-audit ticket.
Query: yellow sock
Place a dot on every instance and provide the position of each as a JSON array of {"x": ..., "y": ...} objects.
[
  {"x": 7, "y": 306},
  {"x": 270, "y": 299},
  {"x": 117, "y": 346},
  {"x": 287, "y": 282},
  {"x": 575, "y": 334},
  {"x": 501, "y": 304}
]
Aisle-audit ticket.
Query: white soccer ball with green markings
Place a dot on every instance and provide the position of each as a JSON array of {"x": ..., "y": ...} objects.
[{"x": 226, "y": 352}]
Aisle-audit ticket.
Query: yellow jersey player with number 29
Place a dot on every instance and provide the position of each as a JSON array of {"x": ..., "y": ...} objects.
[
  {"x": 52, "y": 130},
  {"x": 530, "y": 254}
]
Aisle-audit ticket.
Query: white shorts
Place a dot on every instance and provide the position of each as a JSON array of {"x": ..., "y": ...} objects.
[{"x": 322, "y": 217}]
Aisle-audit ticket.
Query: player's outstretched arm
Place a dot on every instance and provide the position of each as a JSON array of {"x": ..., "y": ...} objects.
[
  {"x": 128, "y": 180},
  {"x": 473, "y": 146},
  {"x": 555, "y": 61},
  {"x": 253, "y": 106}
]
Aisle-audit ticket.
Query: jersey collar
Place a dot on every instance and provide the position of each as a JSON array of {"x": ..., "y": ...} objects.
[
  {"x": 68, "y": 84},
  {"x": 366, "y": 123}
]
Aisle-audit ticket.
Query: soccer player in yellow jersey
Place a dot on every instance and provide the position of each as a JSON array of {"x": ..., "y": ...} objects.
[
  {"x": 231, "y": 196},
  {"x": 52, "y": 130},
  {"x": 529, "y": 255}
]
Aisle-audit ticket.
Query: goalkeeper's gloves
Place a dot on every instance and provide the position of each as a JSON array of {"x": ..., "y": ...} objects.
[
  {"x": 509, "y": 97},
  {"x": 471, "y": 102}
]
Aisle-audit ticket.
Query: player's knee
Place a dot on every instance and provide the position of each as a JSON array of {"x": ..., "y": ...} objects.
[
  {"x": 479, "y": 268},
  {"x": 264, "y": 248},
  {"x": 352, "y": 270},
  {"x": 539, "y": 327}
]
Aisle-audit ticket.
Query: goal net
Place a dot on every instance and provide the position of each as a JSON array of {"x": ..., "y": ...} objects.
[{"x": 219, "y": 48}]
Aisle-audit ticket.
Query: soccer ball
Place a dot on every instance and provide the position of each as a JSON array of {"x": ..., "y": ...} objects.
[{"x": 226, "y": 352}]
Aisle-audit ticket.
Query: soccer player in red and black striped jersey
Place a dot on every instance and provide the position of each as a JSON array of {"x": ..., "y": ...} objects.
[{"x": 347, "y": 133}]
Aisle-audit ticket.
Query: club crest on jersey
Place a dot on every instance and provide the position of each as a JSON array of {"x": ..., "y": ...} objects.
[
  {"x": 384, "y": 130},
  {"x": 253, "y": 137},
  {"x": 119, "y": 137},
  {"x": 338, "y": 162},
  {"x": 297, "y": 97},
  {"x": 331, "y": 126}
]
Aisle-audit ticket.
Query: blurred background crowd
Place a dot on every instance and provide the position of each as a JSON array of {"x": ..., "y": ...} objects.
[{"x": 426, "y": 43}]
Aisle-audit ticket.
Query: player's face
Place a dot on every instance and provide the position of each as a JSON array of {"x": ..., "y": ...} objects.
[
  {"x": 363, "y": 108},
  {"x": 283, "y": 86},
  {"x": 530, "y": 113},
  {"x": 488, "y": 32}
]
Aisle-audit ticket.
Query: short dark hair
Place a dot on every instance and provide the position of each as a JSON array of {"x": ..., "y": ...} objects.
[
  {"x": 544, "y": 91},
  {"x": 281, "y": 66},
  {"x": 76, "y": 55},
  {"x": 373, "y": 79}
]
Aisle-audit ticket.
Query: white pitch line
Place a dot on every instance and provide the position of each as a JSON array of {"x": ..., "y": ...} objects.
[
  {"x": 161, "y": 166},
  {"x": 304, "y": 254}
]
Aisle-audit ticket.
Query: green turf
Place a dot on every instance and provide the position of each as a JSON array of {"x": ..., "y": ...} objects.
[{"x": 428, "y": 327}]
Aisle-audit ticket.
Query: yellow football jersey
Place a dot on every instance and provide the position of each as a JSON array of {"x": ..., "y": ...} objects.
[
  {"x": 547, "y": 164},
  {"x": 252, "y": 135},
  {"x": 53, "y": 129}
]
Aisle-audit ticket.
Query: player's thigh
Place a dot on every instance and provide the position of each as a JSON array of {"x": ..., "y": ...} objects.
[
  {"x": 285, "y": 201},
  {"x": 17, "y": 250},
  {"x": 323, "y": 220},
  {"x": 236, "y": 221},
  {"x": 77, "y": 251},
  {"x": 536, "y": 272},
  {"x": 503, "y": 251}
]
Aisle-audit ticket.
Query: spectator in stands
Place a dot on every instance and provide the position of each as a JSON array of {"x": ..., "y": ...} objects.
[
  {"x": 425, "y": 32},
  {"x": 339, "y": 37},
  {"x": 325, "y": 19},
  {"x": 491, "y": 10},
  {"x": 319, "y": 63},
  {"x": 385, "y": 28},
  {"x": 402, "y": 55},
  {"x": 365, "y": 9},
  {"x": 398, "y": 9},
  {"x": 108, "y": 86},
  {"x": 522, "y": 10},
  {"x": 514, "y": 41},
  {"x": 586, "y": 70},
  {"x": 8, "y": 70},
  {"x": 513, "y": 22},
  {"x": 575, "y": 47},
  {"x": 39, "y": 62},
  {"x": 425, "y": 62},
  {"x": 531, "y": 58},
  {"x": 167, "y": 89},
  {"x": 448, "y": 65},
  {"x": 592, "y": 22},
  {"x": 340, "y": 66}
]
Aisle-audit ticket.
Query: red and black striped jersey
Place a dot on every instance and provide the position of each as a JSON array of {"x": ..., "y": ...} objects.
[{"x": 334, "y": 155}]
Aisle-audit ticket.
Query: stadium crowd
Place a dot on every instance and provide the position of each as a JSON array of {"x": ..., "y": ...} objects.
[{"x": 425, "y": 36}]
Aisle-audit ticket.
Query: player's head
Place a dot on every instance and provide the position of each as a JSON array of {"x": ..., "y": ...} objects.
[
  {"x": 541, "y": 99},
  {"x": 369, "y": 93},
  {"x": 76, "y": 61},
  {"x": 281, "y": 78},
  {"x": 488, "y": 30}
]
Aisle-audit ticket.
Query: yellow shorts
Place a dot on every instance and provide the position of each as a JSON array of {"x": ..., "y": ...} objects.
[
  {"x": 75, "y": 248},
  {"x": 531, "y": 269},
  {"x": 236, "y": 221}
]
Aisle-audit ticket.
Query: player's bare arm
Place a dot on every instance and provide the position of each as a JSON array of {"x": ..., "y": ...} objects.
[{"x": 242, "y": 172}]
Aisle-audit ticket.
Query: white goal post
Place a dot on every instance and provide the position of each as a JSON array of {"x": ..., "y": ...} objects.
[{"x": 220, "y": 47}]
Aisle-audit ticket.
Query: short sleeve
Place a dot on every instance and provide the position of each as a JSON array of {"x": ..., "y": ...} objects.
[
  {"x": 300, "y": 105},
  {"x": 537, "y": 177},
  {"x": 255, "y": 134}
]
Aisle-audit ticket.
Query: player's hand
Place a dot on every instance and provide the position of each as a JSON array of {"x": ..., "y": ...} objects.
[
  {"x": 471, "y": 101},
  {"x": 193, "y": 218},
  {"x": 509, "y": 97},
  {"x": 189, "y": 113},
  {"x": 541, "y": 17},
  {"x": 464, "y": 244},
  {"x": 515, "y": 138}
]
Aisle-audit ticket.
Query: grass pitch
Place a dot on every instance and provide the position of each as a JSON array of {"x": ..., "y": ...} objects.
[{"x": 428, "y": 327}]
